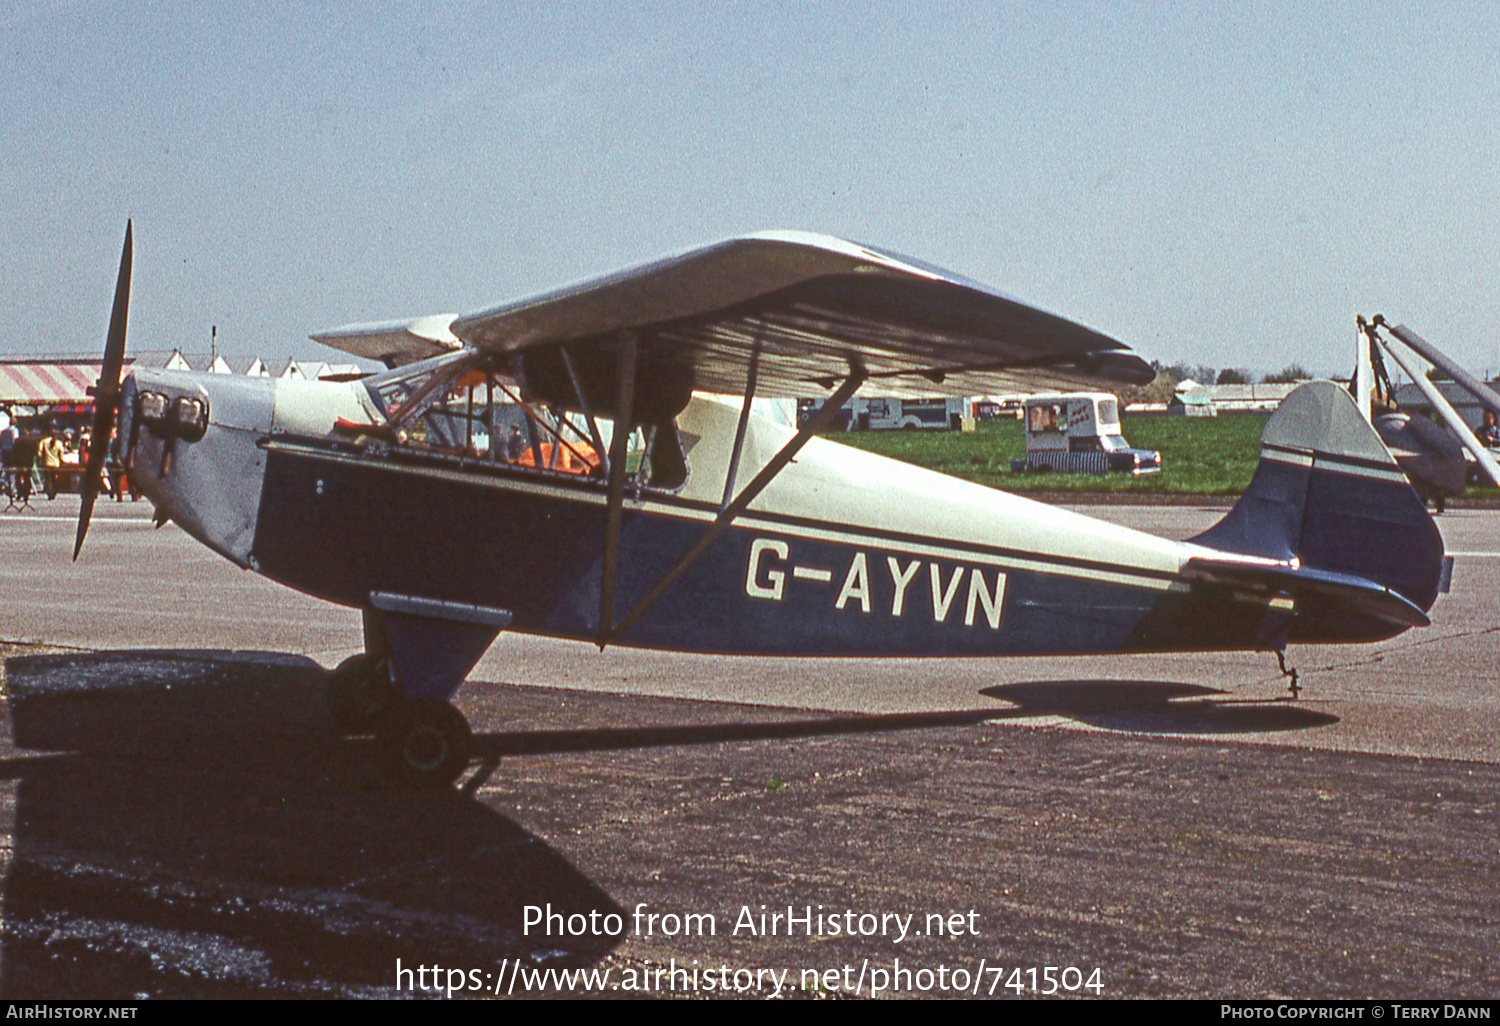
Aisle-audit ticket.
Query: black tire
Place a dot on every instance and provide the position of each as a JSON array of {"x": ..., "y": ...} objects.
[
  {"x": 359, "y": 690},
  {"x": 422, "y": 742}
]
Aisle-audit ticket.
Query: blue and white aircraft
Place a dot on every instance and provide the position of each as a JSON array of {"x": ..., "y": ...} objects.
[{"x": 718, "y": 531}]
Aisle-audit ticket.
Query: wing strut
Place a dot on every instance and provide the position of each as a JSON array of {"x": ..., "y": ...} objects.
[
  {"x": 739, "y": 431},
  {"x": 618, "y": 452},
  {"x": 595, "y": 439},
  {"x": 817, "y": 422},
  {"x": 535, "y": 440}
]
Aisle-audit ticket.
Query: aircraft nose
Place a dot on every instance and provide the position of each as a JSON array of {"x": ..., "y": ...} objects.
[{"x": 190, "y": 442}]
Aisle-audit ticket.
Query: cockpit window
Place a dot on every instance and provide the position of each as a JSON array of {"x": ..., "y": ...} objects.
[
  {"x": 459, "y": 405},
  {"x": 394, "y": 391}
]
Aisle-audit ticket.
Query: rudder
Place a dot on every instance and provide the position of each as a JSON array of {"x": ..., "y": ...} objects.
[{"x": 1328, "y": 493}]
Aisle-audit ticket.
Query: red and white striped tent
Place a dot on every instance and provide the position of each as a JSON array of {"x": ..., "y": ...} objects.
[{"x": 46, "y": 384}]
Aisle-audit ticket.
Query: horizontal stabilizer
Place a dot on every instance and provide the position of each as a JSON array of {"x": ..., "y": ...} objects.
[{"x": 1349, "y": 595}]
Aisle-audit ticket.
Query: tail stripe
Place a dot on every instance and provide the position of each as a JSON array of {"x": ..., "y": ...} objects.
[{"x": 1337, "y": 462}]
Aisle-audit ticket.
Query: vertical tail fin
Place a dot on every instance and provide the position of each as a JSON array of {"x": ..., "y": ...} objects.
[{"x": 1328, "y": 494}]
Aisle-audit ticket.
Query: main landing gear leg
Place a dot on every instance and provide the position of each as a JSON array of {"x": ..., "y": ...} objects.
[
  {"x": 1294, "y": 687},
  {"x": 418, "y": 652}
]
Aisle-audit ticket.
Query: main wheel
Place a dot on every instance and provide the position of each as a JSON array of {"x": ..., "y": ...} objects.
[
  {"x": 359, "y": 689},
  {"x": 422, "y": 742}
]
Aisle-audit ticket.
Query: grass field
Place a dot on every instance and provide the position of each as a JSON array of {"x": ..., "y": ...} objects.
[{"x": 1200, "y": 455}]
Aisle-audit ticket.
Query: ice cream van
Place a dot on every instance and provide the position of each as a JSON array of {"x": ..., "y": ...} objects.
[{"x": 1079, "y": 433}]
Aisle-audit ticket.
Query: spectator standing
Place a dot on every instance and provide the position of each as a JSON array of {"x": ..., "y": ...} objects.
[
  {"x": 1489, "y": 431},
  {"x": 23, "y": 457},
  {"x": 50, "y": 459}
]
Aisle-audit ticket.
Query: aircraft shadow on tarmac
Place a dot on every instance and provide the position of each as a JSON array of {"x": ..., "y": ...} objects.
[
  {"x": 195, "y": 827},
  {"x": 1156, "y": 707},
  {"x": 190, "y": 824}
]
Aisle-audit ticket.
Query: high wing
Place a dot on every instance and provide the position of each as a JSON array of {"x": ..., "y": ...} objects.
[{"x": 817, "y": 309}]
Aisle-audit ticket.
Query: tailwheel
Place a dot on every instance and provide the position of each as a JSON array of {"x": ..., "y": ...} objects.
[
  {"x": 359, "y": 689},
  {"x": 422, "y": 742},
  {"x": 1295, "y": 687}
]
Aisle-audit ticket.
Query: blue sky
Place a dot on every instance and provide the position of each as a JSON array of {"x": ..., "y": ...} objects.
[{"x": 1224, "y": 184}]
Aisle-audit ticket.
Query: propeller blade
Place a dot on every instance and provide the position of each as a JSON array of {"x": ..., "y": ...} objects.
[{"x": 106, "y": 394}]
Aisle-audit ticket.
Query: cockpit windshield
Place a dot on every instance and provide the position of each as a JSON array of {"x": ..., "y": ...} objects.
[
  {"x": 459, "y": 404},
  {"x": 396, "y": 391}
]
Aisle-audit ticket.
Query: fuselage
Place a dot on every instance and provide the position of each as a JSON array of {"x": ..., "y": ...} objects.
[{"x": 845, "y": 553}]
